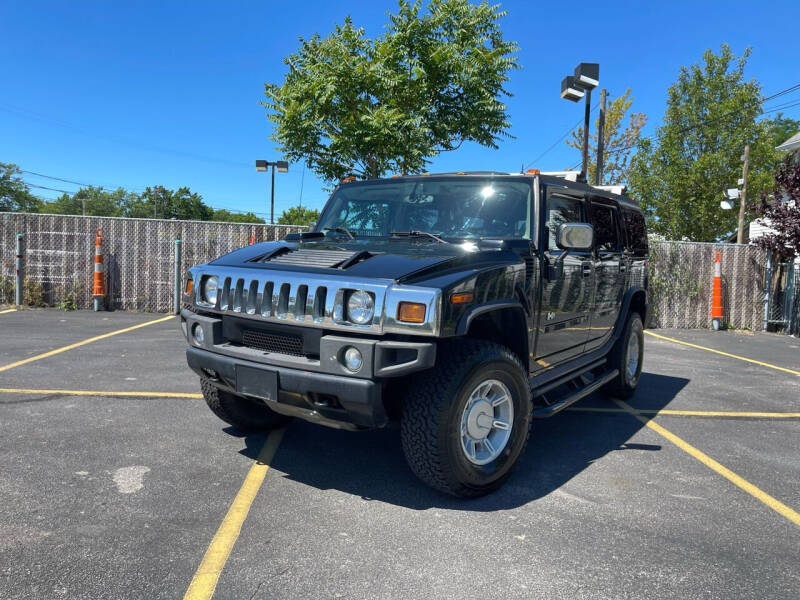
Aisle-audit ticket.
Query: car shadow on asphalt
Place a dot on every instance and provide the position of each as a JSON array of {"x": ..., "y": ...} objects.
[{"x": 371, "y": 465}]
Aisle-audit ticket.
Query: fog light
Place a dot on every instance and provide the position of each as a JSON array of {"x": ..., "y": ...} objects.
[
  {"x": 197, "y": 334},
  {"x": 353, "y": 359}
]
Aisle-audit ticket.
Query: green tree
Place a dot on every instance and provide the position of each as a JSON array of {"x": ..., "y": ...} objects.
[
  {"x": 220, "y": 214},
  {"x": 162, "y": 203},
  {"x": 619, "y": 140},
  {"x": 435, "y": 79},
  {"x": 14, "y": 193},
  {"x": 96, "y": 201},
  {"x": 299, "y": 215},
  {"x": 711, "y": 115}
]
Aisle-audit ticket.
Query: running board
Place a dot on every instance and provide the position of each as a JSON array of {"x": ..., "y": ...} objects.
[{"x": 549, "y": 411}]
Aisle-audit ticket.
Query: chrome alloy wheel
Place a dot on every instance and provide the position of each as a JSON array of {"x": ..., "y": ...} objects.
[
  {"x": 486, "y": 422},
  {"x": 632, "y": 357}
]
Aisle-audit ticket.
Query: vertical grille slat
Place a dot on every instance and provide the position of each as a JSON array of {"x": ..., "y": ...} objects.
[
  {"x": 318, "y": 309},
  {"x": 267, "y": 307},
  {"x": 283, "y": 301},
  {"x": 252, "y": 298},
  {"x": 300, "y": 302},
  {"x": 224, "y": 301},
  {"x": 237, "y": 295}
]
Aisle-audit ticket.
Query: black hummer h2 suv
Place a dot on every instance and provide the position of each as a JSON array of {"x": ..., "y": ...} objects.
[{"x": 460, "y": 306}]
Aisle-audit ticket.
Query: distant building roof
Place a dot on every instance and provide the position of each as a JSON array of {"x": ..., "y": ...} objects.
[{"x": 793, "y": 143}]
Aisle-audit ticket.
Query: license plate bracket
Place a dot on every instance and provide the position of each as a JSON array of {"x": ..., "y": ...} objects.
[{"x": 257, "y": 382}]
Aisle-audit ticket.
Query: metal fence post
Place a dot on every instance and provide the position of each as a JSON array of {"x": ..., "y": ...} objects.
[
  {"x": 767, "y": 292},
  {"x": 20, "y": 269},
  {"x": 176, "y": 301}
]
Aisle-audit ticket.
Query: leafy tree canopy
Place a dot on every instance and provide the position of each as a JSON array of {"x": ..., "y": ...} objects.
[
  {"x": 711, "y": 115},
  {"x": 619, "y": 140},
  {"x": 435, "y": 79},
  {"x": 782, "y": 212},
  {"x": 299, "y": 215},
  {"x": 14, "y": 194}
]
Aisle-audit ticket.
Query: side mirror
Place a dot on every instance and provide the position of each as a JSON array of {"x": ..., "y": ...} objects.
[
  {"x": 575, "y": 236},
  {"x": 311, "y": 226}
]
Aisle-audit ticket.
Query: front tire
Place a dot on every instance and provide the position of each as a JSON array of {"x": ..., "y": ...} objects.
[
  {"x": 467, "y": 421},
  {"x": 248, "y": 416},
  {"x": 627, "y": 356}
]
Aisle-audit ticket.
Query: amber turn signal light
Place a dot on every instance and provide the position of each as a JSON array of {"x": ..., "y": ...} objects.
[
  {"x": 461, "y": 298},
  {"x": 411, "y": 312},
  {"x": 189, "y": 286}
]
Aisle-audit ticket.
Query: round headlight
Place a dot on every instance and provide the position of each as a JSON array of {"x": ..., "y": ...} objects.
[
  {"x": 210, "y": 288},
  {"x": 360, "y": 307},
  {"x": 353, "y": 359}
]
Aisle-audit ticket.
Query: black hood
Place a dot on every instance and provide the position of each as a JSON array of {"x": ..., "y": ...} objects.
[{"x": 395, "y": 259}]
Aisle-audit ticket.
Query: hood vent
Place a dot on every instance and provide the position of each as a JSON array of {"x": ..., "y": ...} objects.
[{"x": 305, "y": 257}]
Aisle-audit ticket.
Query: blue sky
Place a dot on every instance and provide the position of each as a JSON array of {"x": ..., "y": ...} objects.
[{"x": 166, "y": 93}]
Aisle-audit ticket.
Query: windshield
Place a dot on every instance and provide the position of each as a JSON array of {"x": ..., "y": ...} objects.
[{"x": 457, "y": 207}]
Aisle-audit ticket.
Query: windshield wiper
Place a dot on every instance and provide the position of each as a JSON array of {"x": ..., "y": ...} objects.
[
  {"x": 343, "y": 230},
  {"x": 418, "y": 234}
]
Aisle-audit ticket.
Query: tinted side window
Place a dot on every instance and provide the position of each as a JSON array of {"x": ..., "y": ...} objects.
[
  {"x": 636, "y": 230},
  {"x": 561, "y": 209},
  {"x": 606, "y": 238}
]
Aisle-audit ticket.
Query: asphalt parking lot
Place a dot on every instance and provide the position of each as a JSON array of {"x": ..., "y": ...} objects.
[{"x": 118, "y": 482}]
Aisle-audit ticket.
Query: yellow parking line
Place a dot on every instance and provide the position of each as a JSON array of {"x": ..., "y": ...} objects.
[
  {"x": 693, "y": 413},
  {"x": 735, "y": 479},
  {"x": 207, "y": 575},
  {"x": 99, "y": 393},
  {"x": 82, "y": 343},
  {"x": 8, "y": 310},
  {"x": 744, "y": 358}
]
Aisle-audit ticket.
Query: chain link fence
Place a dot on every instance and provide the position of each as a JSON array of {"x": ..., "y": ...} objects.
[
  {"x": 139, "y": 263},
  {"x": 138, "y": 256},
  {"x": 681, "y": 279}
]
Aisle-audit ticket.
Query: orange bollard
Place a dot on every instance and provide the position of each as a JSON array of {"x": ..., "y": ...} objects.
[
  {"x": 716, "y": 298},
  {"x": 252, "y": 238},
  {"x": 99, "y": 290}
]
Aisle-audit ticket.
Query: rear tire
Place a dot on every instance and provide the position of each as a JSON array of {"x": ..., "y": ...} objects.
[
  {"x": 248, "y": 416},
  {"x": 627, "y": 356},
  {"x": 466, "y": 422}
]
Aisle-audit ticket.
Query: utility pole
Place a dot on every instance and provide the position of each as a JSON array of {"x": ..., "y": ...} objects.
[
  {"x": 83, "y": 206},
  {"x": 743, "y": 196},
  {"x": 601, "y": 127}
]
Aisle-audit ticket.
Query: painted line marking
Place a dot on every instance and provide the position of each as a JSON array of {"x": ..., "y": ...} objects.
[
  {"x": 131, "y": 394},
  {"x": 96, "y": 338},
  {"x": 8, "y": 310},
  {"x": 207, "y": 575},
  {"x": 735, "y": 479},
  {"x": 720, "y": 352},
  {"x": 691, "y": 413}
]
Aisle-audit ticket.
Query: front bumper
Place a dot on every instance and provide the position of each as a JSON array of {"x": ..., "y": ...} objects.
[
  {"x": 315, "y": 388},
  {"x": 330, "y": 400}
]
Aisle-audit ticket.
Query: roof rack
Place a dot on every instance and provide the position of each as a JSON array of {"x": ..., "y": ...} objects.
[{"x": 568, "y": 175}]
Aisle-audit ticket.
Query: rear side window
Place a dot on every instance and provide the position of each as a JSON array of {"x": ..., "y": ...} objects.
[
  {"x": 636, "y": 230},
  {"x": 606, "y": 238},
  {"x": 560, "y": 210}
]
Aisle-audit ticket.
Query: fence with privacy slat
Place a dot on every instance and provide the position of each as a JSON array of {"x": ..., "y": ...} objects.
[
  {"x": 680, "y": 283},
  {"x": 138, "y": 256},
  {"x": 139, "y": 261}
]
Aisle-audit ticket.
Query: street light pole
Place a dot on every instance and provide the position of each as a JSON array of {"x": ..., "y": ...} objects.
[
  {"x": 283, "y": 167},
  {"x": 573, "y": 88},
  {"x": 586, "y": 111}
]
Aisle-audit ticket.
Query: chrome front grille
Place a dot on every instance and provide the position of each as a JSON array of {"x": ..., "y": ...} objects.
[{"x": 307, "y": 299}]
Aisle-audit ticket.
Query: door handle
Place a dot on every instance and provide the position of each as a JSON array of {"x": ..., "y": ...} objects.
[{"x": 586, "y": 268}]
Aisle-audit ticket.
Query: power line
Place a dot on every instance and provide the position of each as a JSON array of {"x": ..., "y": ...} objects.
[
  {"x": 44, "y": 187},
  {"x": 28, "y": 114},
  {"x": 559, "y": 140},
  {"x": 56, "y": 178}
]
